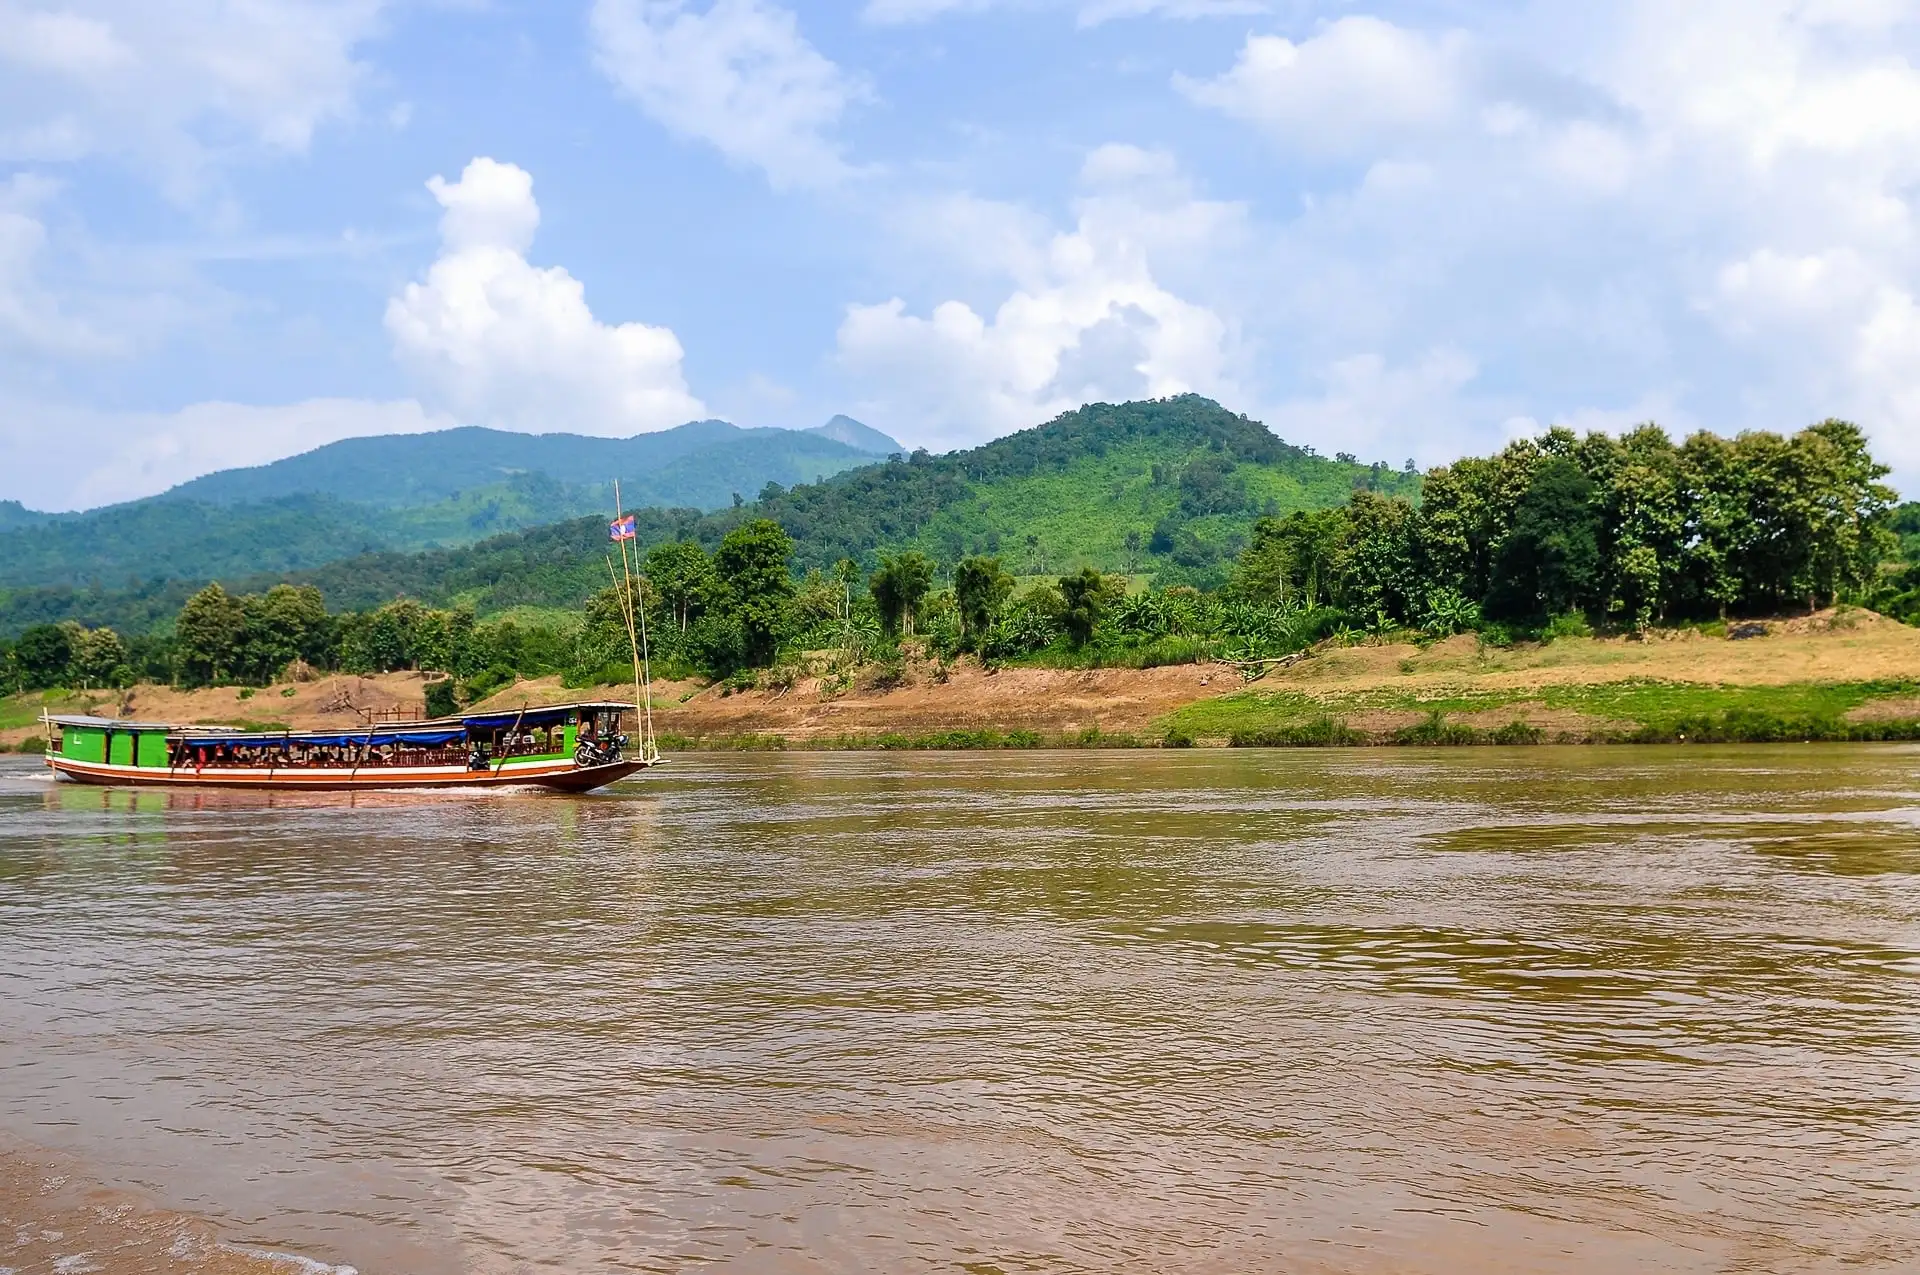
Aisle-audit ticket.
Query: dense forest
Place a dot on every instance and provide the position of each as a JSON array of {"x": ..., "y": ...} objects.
[{"x": 1552, "y": 536}]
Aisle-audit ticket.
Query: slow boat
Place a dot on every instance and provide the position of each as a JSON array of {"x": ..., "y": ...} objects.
[{"x": 569, "y": 747}]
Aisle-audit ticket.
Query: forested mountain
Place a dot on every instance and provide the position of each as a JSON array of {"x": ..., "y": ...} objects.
[
  {"x": 14, "y": 514},
  {"x": 410, "y": 492},
  {"x": 672, "y": 467},
  {"x": 1172, "y": 487}
]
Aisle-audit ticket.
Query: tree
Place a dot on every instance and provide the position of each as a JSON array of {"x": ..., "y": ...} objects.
[
  {"x": 1550, "y": 561},
  {"x": 1265, "y": 570},
  {"x": 99, "y": 656},
  {"x": 1382, "y": 570},
  {"x": 1849, "y": 533},
  {"x": 682, "y": 574},
  {"x": 208, "y": 636},
  {"x": 1132, "y": 543},
  {"x": 1085, "y": 598},
  {"x": 980, "y": 589},
  {"x": 1211, "y": 485},
  {"x": 1644, "y": 523},
  {"x": 43, "y": 657},
  {"x": 898, "y": 588},
  {"x": 280, "y": 626},
  {"x": 1296, "y": 558},
  {"x": 603, "y": 643},
  {"x": 751, "y": 564}
]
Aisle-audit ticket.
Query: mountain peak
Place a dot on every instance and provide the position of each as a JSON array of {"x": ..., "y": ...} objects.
[{"x": 844, "y": 429}]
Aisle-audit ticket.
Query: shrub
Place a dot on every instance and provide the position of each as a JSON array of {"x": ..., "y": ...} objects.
[
  {"x": 782, "y": 677},
  {"x": 493, "y": 679},
  {"x": 1495, "y": 634},
  {"x": 1517, "y": 732},
  {"x": 1322, "y": 732},
  {"x": 887, "y": 673},
  {"x": 1449, "y": 612},
  {"x": 1436, "y": 731},
  {"x": 441, "y": 701},
  {"x": 1572, "y": 624}
]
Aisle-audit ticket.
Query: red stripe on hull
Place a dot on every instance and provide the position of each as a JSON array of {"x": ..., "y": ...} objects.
[{"x": 561, "y": 776}]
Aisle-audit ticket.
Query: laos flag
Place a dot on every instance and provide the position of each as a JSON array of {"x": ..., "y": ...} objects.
[{"x": 622, "y": 529}]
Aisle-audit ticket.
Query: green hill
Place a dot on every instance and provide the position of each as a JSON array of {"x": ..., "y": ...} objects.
[
  {"x": 410, "y": 492},
  {"x": 1184, "y": 476}
]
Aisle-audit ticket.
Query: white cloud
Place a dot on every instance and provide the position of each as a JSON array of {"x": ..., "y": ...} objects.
[
  {"x": 1358, "y": 83},
  {"x": 738, "y": 76},
  {"x": 167, "y": 86},
  {"x": 1366, "y": 405},
  {"x": 1708, "y": 209},
  {"x": 1091, "y": 12},
  {"x": 1087, "y": 321},
  {"x": 508, "y": 343},
  {"x": 74, "y": 458},
  {"x": 32, "y": 319}
]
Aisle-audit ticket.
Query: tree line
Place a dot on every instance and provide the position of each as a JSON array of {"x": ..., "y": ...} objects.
[
  {"x": 1623, "y": 532},
  {"x": 1558, "y": 533}
]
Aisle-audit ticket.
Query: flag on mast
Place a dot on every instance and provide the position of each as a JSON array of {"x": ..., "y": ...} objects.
[{"x": 622, "y": 529}]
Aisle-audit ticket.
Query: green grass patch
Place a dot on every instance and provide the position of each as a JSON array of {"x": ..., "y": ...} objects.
[
  {"x": 1653, "y": 703},
  {"x": 24, "y": 709},
  {"x": 1629, "y": 711},
  {"x": 892, "y": 741}
]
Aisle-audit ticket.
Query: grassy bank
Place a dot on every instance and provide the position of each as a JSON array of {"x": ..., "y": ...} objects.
[{"x": 1632, "y": 711}]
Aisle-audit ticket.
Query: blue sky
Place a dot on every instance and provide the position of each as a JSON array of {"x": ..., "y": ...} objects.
[{"x": 229, "y": 233}]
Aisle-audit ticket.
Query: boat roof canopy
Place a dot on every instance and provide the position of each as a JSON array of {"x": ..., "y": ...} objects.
[
  {"x": 543, "y": 715},
  {"x": 319, "y": 739},
  {"x": 429, "y": 734}
]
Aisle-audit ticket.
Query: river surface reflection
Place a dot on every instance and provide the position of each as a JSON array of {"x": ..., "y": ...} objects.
[{"x": 1362, "y": 1011}]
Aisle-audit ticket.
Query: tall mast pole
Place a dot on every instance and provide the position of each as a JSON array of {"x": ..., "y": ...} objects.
[{"x": 642, "y": 667}]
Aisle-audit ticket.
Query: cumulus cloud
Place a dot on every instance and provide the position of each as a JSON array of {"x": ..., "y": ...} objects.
[
  {"x": 1091, "y": 12},
  {"x": 32, "y": 320},
  {"x": 738, "y": 76},
  {"x": 76, "y": 458},
  {"x": 505, "y": 342},
  {"x": 167, "y": 86},
  {"x": 1359, "y": 83},
  {"x": 1086, "y": 321},
  {"x": 1364, "y": 405},
  {"x": 1706, "y": 208}
]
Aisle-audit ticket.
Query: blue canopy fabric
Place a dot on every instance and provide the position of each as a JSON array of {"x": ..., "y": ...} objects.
[
  {"x": 532, "y": 717},
  {"x": 379, "y": 738}
]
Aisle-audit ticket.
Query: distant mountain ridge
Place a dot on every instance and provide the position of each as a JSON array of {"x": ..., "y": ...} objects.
[
  {"x": 401, "y": 470},
  {"x": 14, "y": 515},
  {"x": 407, "y": 492}
]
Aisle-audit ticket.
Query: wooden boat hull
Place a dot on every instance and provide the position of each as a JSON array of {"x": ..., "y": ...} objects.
[{"x": 558, "y": 775}]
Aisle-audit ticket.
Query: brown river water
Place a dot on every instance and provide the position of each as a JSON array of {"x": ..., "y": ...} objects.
[{"x": 1567, "y": 1010}]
